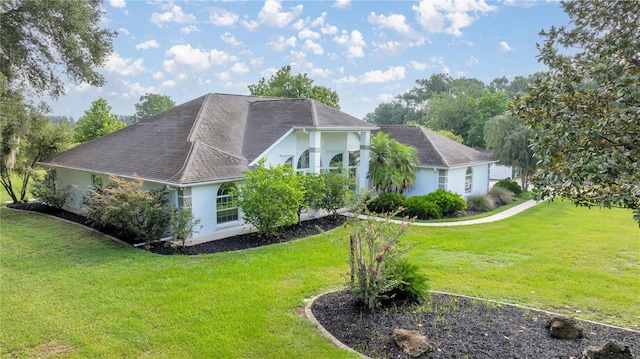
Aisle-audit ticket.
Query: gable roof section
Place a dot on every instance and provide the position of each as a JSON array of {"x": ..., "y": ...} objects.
[
  {"x": 435, "y": 150},
  {"x": 211, "y": 138}
]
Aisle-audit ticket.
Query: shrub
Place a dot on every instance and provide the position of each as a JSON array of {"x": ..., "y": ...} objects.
[
  {"x": 124, "y": 205},
  {"x": 482, "y": 203},
  {"x": 314, "y": 187},
  {"x": 336, "y": 185},
  {"x": 183, "y": 224},
  {"x": 270, "y": 197},
  {"x": 511, "y": 185},
  {"x": 386, "y": 202},
  {"x": 448, "y": 201},
  {"x": 422, "y": 208},
  {"x": 502, "y": 195},
  {"x": 411, "y": 283},
  {"x": 46, "y": 191}
]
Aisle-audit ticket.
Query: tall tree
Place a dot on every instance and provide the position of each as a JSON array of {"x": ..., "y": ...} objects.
[
  {"x": 96, "y": 122},
  {"x": 45, "y": 39},
  {"x": 510, "y": 142},
  {"x": 588, "y": 143},
  {"x": 391, "y": 113},
  {"x": 151, "y": 104},
  {"x": 283, "y": 84}
]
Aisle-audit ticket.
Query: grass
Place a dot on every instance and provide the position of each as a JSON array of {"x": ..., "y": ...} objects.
[{"x": 68, "y": 292}]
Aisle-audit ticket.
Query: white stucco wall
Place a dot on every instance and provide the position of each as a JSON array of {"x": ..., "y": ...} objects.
[
  {"x": 426, "y": 182},
  {"x": 498, "y": 171}
]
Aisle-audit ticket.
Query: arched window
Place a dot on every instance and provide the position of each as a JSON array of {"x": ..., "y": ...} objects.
[
  {"x": 468, "y": 180},
  {"x": 226, "y": 203},
  {"x": 289, "y": 162},
  {"x": 336, "y": 162},
  {"x": 303, "y": 161}
]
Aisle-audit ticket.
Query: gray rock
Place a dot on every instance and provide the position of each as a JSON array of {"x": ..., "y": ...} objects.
[
  {"x": 563, "y": 327},
  {"x": 411, "y": 342},
  {"x": 612, "y": 349}
]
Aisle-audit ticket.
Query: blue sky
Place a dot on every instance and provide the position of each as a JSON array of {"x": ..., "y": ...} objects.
[{"x": 366, "y": 51}]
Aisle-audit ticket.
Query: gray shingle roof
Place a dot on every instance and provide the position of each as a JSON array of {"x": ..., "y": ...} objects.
[
  {"x": 435, "y": 150},
  {"x": 211, "y": 138}
]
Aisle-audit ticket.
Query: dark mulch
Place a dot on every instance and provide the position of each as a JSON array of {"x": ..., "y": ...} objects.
[
  {"x": 457, "y": 327},
  {"x": 239, "y": 242}
]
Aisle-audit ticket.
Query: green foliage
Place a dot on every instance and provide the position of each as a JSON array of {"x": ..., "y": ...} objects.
[
  {"x": 270, "y": 197},
  {"x": 314, "y": 187},
  {"x": 283, "y": 84},
  {"x": 386, "y": 202},
  {"x": 502, "y": 195},
  {"x": 336, "y": 186},
  {"x": 392, "y": 165},
  {"x": 412, "y": 283},
  {"x": 125, "y": 205},
  {"x": 182, "y": 224},
  {"x": 45, "y": 190},
  {"x": 449, "y": 202},
  {"x": 96, "y": 122},
  {"x": 375, "y": 248},
  {"x": 510, "y": 142},
  {"x": 43, "y": 39},
  {"x": 482, "y": 203},
  {"x": 422, "y": 208},
  {"x": 585, "y": 108},
  {"x": 450, "y": 135},
  {"x": 511, "y": 185},
  {"x": 151, "y": 104}
]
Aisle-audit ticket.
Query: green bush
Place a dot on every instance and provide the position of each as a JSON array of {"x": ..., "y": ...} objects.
[
  {"x": 449, "y": 202},
  {"x": 511, "y": 185},
  {"x": 183, "y": 225},
  {"x": 386, "y": 202},
  {"x": 336, "y": 185},
  {"x": 46, "y": 191},
  {"x": 411, "y": 283},
  {"x": 422, "y": 208},
  {"x": 124, "y": 205},
  {"x": 482, "y": 203},
  {"x": 502, "y": 195}
]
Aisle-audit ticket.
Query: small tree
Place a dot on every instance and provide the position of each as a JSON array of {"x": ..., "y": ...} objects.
[
  {"x": 45, "y": 190},
  {"x": 151, "y": 104},
  {"x": 183, "y": 225},
  {"x": 270, "y": 197},
  {"x": 314, "y": 188},
  {"x": 337, "y": 184},
  {"x": 96, "y": 122}
]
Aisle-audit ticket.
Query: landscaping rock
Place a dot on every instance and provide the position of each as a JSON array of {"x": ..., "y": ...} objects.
[
  {"x": 612, "y": 349},
  {"x": 411, "y": 342},
  {"x": 563, "y": 327}
]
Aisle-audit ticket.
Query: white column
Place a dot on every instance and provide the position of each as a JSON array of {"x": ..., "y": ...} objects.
[
  {"x": 363, "y": 166},
  {"x": 314, "y": 151}
]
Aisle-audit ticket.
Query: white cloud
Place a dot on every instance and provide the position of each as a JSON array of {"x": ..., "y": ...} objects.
[
  {"x": 257, "y": 63},
  {"x": 449, "y": 16},
  {"x": 123, "y": 67},
  {"x": 347, "y": 80},
  {"x": 504, "y": 46},
  {"x": 158, "y": 75},
  {"x": 189, "y": 29},
  {"x": 118, "y": 3},
  {"x": 420, "y": 66},
  {"x": 353, "y": 43},
  {"x": 308, "y": 34},
  {"x": 298, "y": 60},
  {"x": 279, "y": 43},
  {"x": 472, "y": 61},
  {"x": 221, "y": 17},
  {"x": 521, "y": 3},
  {"x": 325, "y": 27},
  {"x": 272, "y": 15},
  {"x": 239, "y": 68},
  {"x": 390, "y": 48},
  {"x": 250, "y": 25},
  {"x": 146, "y": 45},
  {"x": 168, "y": 84},
  {"x": 230, "y": 39},
  {"x": 298, "y": 25},
  {"x": 175, "y": 15},
  {"x": 396, "y": 22},
  {"x": 392, "y": 74},
  {"x": 123, "y": 31},
  {"x": 385, "y": 97},
  {"x": 197, "y": 59},
  {"x": 82, "y": 88},
  {"x": 320, "y": 73},
  {"x": 342, "y": 4},
  {"x": 314, "y": 47}
]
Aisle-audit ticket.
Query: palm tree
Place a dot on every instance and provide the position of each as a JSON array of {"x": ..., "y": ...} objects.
[{"x": 392, "y": 165}]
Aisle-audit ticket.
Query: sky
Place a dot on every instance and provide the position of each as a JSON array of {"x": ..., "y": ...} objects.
[{"x": 366, "y": 51}]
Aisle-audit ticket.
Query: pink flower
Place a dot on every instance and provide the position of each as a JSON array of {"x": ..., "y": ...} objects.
[
  {"x": 404, "y": 225},
  {"x": 379, "y": 258},
  {"x": 367, "y": 230}
]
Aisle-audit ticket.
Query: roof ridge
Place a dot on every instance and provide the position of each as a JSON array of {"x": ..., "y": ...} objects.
[
  {"x": 314, "y": 113},
  {"x": 197, "y": 121},
  {"x": 427, "y": 134},
  {"x": 187, "y": 160},
  {"x": 221, "y": 151}
]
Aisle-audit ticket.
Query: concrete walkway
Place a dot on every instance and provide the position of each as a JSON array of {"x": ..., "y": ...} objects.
[{"x": 493, "y": 218}]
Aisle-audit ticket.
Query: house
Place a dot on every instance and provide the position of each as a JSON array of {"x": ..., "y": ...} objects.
[
  {"x": 443, "y": 163},
  {"x": 199, "y": 149}
]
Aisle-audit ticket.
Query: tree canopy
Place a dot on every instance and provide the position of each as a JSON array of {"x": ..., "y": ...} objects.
[
  {"x": 283, "y": 84},
  {"x": 96, "y": 122},
  {"x": 586, "y": 108},
  {"x": 392, "y": 165},
  {"x": 151, "y": 104},
  {"x": 43, "y": 40}
]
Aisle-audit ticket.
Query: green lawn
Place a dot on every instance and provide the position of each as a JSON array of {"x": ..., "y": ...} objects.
[{"x": 68, "y": 292}]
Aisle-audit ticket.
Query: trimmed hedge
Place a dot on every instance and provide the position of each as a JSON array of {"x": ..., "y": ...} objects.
[
  {"x": 386, "y": 202},
  {"x": 511, "y": 185},
  {"x": 422, "y": 208},
  {"x": 449, "y": 202}
]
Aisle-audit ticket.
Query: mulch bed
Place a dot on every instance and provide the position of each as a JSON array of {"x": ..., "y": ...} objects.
[
  {"x": 239, "y": 242},
  {"x": 457, "y": 327}
]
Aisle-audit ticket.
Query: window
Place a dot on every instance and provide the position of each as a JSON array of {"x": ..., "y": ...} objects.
[
  {"x": 354, "y": 160},
  {"x": 442, "y": 179},
  {"x": 468, "y": 180},
  {"x": 226, "y": 204},
  {"x": 96, "y": 180},
  {"x": 336, "y": 163},
  {"x": 289, "y": 162},
  {"x": 303, "y": 161}
]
